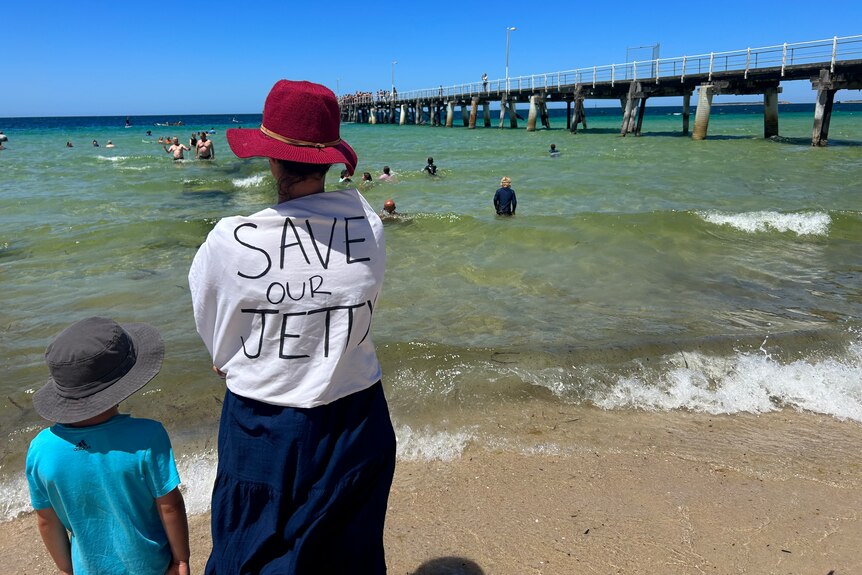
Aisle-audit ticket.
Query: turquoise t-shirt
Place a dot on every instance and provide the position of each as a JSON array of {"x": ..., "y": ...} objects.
[{"x": 102, "y": 481}]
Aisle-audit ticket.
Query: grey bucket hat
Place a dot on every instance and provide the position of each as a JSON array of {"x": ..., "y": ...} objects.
[{"x": 95, "y": 364}]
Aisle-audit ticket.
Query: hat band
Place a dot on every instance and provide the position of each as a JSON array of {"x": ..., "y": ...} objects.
[
  {"x": 105, "y": 381},
  {"x": 302, "y": 143}
]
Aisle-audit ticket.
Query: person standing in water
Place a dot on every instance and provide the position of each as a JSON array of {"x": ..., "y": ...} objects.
[{"x": 505, "y": 201}]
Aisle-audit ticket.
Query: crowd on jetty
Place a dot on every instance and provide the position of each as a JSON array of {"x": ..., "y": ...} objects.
[{"x": 381, "y": 96}]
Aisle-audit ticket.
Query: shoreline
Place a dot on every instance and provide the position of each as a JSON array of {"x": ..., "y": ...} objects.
[{"x": 638, "y": 493}]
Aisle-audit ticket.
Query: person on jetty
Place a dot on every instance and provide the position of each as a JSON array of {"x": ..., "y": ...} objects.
[
  {"x": 306, "y": 449},
  {"x": 505, "y": 201},
  {"x": 107, "y": 478},
  {"x": 205, "y": 149},
  {"x": 177, "y": 149},
  {"x": 485, "y": 81},
  {"x": 430, "y": 167},
  {"x": 386, "y": 175}
]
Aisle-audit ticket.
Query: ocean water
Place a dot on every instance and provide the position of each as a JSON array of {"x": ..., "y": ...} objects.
[{"x": 642, "y": 277}]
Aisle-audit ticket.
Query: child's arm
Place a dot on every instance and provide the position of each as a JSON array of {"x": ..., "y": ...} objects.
[
  {"x": 172, "y": 510},
  {"x": 56, "y": 539}
]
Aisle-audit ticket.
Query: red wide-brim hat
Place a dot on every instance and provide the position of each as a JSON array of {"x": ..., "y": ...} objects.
[{"x": 301, "y": 123}]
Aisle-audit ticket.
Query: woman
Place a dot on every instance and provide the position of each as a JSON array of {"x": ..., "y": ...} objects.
[{"x": 283, "y": 300}]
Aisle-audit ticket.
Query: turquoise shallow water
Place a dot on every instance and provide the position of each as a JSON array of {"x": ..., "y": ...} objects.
[{"x": 650, "y": 273}]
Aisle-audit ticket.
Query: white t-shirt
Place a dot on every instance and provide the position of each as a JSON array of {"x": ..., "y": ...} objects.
[{"x": 284, "y": 299}]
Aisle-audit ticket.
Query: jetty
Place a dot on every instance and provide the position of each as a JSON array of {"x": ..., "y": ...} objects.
[{"x": 830, "y": 65}]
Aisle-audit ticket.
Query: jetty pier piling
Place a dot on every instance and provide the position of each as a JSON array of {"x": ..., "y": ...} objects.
[{"x": 830, "y": 65}]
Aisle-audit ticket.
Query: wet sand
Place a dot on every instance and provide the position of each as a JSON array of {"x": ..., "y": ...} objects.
[{"x": 664, "y": 493}]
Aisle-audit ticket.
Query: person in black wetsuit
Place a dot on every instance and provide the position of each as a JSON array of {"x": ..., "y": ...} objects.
[{"x": 505, "y": 201}]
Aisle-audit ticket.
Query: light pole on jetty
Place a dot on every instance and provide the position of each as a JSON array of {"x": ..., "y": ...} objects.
[{"x": 508, "y": 29}]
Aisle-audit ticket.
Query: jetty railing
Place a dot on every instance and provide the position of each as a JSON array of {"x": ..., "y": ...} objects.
[{"x": 833, "y": 50}]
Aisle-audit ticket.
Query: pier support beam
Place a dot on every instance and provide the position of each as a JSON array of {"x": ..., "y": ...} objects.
[
  {"x": 450, "y": 114},
  {"x": 770, "y": 112},
  {"x": 580, "y": 115},
  {"x": 465, "y": 116},
  {"x": 372, "y": 117},
  {"x": 640, "y": 117},
  {"x": 629, "y": 103},
  {"x": 486, "y": 114},
  {"x": 531, "y": 118},
  {"x": 701, "y": 116},
  {"x": 543, "y": 114},
  {"x": 823, "y": 108},
  {"x": 513, "y": 114},
  {"x": 403, "y": 119},
  {"x": 474, "y": 111},
  {"x": 686, "y": 112},
  {"x": 503, "y": 106}
]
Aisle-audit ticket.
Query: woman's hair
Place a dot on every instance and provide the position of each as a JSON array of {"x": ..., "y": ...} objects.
[{"x": 295, "y": 172}]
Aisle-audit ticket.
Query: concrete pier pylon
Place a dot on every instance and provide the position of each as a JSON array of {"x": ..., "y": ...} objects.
[
  {"x": 372, "y": 117},
  {"x": 474, "y": 111},
  {"x": 503, "y": 106},
  {"x": 486, "y": 114},
  {"x": 823, "y": 108},
  {"x": 450, "y": 114},
  {"x": 465, "y": 116},
  {"x": 531, "y": 118},
  {"x": 403, "y": 119},
  {"x": 629, "y": 104},
  {"x": 513, "y": 114},
  {"x": 701, "y": 116}
]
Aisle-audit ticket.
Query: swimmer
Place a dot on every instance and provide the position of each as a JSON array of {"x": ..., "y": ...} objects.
[
  {"x": 177, "y": 149},
  {"x": 110, "y": 144},
  {"x": 430, "y": 167},
  {"x": 68, "y": 144},
  {"x": 389, "y": 209},
  {"x": 95, "y": 144},
  {"x": 386, "y": 175},
  {"x": 366, "y": 178},
  {"x": 345, "y": 177},
  {"x": 205, "y": 149},
  {"x": 553, "y": 150}
]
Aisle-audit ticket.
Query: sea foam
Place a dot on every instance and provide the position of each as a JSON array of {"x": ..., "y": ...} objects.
[
  {"x": 803, "y": 223},
  {"x": 751, "y": 382},
  {"x": 249, "y": 182}
]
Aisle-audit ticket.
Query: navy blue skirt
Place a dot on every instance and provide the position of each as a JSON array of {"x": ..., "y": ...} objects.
[{"x": 302, "y": 491}]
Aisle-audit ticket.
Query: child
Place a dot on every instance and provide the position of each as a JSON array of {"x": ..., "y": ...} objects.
[
  {"x": 430, "y": 167},
  {"x": 107, "y": 478}
]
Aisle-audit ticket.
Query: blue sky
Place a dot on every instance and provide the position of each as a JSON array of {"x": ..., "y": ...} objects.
[{"x": 98, "y": 57}]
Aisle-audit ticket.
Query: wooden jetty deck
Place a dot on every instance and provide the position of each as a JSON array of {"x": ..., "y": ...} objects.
[{"x": 830, "y": 65}]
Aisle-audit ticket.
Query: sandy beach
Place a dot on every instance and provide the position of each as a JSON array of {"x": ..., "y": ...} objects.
[{"x": 777, "y": 493}]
